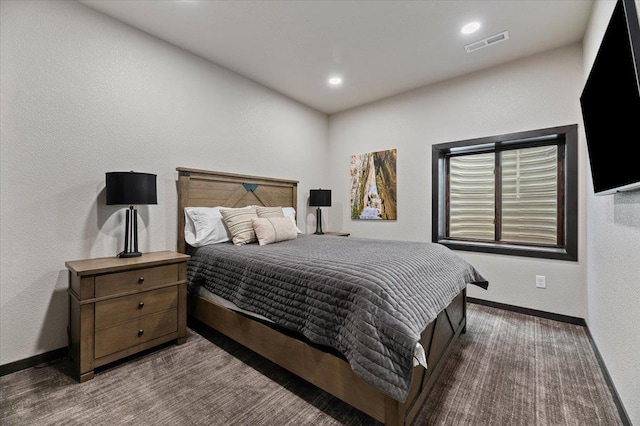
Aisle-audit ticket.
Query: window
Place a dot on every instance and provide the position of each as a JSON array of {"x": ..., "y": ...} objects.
[{"x": 512, "y": 194}]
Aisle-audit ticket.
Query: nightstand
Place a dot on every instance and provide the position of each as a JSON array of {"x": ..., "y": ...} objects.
[
  {"x": 337, "y": 234},
  {"x": 121, "y": 306}
]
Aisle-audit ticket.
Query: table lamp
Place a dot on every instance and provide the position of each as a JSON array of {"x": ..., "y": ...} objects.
[
  {"x": 319, "y": 198},
  {"x": 131, "y": 188}
]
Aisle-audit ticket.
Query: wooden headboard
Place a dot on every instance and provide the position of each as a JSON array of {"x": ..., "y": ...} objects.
[{"x": 205, "y": 188}]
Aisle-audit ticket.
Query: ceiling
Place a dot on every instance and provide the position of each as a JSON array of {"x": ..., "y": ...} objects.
[{"x": 379, "y": 48}]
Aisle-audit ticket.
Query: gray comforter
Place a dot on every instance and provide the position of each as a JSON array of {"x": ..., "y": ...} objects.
[{"x": 369, "y": 299}]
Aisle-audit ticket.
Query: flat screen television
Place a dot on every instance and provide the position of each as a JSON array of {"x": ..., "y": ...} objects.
[{"x": 610, "y": 103}]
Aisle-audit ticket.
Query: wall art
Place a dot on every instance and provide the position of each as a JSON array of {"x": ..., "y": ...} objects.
[{"x": 373, "y": 185}]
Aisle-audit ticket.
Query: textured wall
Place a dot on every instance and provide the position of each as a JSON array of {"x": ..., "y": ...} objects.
[
  {"x": 613, "y": 239},
  {"x": 83, "y": 94},
  {"x": 536, "y": 92}
]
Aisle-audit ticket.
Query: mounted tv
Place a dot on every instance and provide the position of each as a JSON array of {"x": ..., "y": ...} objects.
[{"x": 610, "y": 104}]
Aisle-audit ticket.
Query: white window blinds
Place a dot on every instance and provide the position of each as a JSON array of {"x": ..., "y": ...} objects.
[
  {"x": 528, "y": 202},
  {"x": 530, "y": 195},
  {"x": 472, "y": 197}
]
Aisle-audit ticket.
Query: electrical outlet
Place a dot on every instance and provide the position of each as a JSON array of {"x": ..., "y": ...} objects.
[{"x": 541, "y": 281}]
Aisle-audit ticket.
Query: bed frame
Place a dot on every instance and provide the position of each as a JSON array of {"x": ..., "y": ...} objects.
[{"x": 326, "y": 370}]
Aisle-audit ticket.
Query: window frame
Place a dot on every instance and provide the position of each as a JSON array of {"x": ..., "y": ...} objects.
[{"x": 563, "y": 136}]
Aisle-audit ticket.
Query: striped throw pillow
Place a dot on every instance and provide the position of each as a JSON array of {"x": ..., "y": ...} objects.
[
  {"x": 238, "y": 222},
  {"x": 269, "y": 212}
]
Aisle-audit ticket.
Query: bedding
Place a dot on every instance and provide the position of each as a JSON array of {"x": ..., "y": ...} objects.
[
  {"x": 270, "y": 212},
  {"x": 203, "y": 226},
  {"x": 271, "y": 230},
  {"x": 238, "y": 223},
  {"x": 369, "y": 299},
  {"x": 290, "y": 212}
]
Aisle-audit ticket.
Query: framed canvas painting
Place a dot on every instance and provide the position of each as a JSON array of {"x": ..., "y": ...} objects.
[{"x": 373, "y": 185}]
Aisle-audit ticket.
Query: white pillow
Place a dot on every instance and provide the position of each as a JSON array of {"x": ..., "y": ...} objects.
[
  {"x": 290, "y": 212},
  {"x": 270, "y": 230},
  {"x": 204, "y": 225}
]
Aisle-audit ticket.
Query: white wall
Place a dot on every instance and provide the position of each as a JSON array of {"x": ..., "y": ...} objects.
[
  {"x": 82, "y": 95},
  {"x": 536, "y": 92},
  {"x": 613, "y": 274}
]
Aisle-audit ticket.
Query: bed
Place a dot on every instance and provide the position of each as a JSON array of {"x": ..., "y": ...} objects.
[{"x": 289, "y": 303}]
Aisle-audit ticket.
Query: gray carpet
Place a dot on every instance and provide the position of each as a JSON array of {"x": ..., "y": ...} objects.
[{"x": 509, "y": 369}]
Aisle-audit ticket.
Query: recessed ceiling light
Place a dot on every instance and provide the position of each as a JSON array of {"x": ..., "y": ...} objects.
[
  {"x": 471, "y": 27},
  {"x": 335, "y": 81}
]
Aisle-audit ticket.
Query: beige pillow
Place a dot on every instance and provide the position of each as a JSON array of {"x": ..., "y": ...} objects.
[
  {"x": 269, "y": 212},
  {"x": 289, "y": 212},
  {"x": 274, "y": 229},
  {"x": 238, "y": 222}
]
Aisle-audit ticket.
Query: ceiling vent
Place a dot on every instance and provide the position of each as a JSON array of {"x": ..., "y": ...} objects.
[{"x": 496, "y": 38}]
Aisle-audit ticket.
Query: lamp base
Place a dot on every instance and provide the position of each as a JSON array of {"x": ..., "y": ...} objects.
[
  {"x": 130, "y": 234},
  {"x": 318, "y": 222},
  {"x": 129, "y": 254}
]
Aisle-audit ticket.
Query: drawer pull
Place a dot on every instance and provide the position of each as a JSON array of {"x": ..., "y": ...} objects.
[
  {"x": 140, "y": 305},
  {"x": 140, "y": 280},
  {"x": 140, "y": 332}
]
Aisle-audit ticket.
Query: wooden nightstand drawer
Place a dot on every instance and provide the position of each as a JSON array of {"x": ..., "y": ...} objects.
[
  {"x": 121, "y": 306},
  {"x": 132, "y": 333},
  {"x": 136, "y": 280},
  {"x": 122, "y": 309}
]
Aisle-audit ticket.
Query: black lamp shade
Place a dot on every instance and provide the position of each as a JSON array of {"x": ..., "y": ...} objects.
[
  {"x": 129, "y": 188},
  {"x": 320, "y": 198}
]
